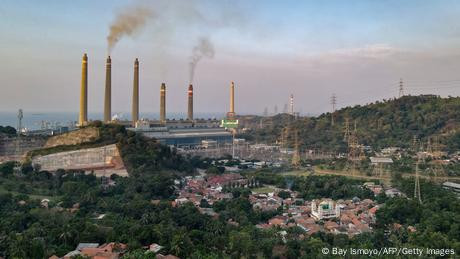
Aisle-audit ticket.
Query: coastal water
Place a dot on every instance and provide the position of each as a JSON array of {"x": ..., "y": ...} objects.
[{"x": 39, "y": 120}]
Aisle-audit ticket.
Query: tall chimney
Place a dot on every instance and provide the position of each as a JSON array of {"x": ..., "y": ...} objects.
[
  {"x": 190, "y": 102},
  {"x": 83, "y": 117},
  {"x": 163, "y": 103},
  {"x": 231, "y": 113},
  {"x": 108, "y": 91},
  {"x": 135, "y": 110}
]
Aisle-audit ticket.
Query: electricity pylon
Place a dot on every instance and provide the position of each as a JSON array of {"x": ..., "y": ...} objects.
[
  {"x": 346, "y": 130},
  {"x": 417, "y": 193},
  {"x": 296, "y": 155},
  {"x": 333, "y": 103}
]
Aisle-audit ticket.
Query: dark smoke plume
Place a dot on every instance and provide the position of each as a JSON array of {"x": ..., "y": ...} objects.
[
  {"x": 127, "y": 23},
  {"x": 203, "y": 49}
]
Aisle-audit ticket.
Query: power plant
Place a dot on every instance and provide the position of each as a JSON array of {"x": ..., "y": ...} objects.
[{"x": 184, "y": 133}]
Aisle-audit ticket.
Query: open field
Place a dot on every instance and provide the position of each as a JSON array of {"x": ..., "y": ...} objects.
[{"x": 385, "y": 178}]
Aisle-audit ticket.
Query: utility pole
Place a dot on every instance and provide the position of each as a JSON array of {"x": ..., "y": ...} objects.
[
  {"x": 401, "y": 88},
  {"x": 333, "y": 103}
]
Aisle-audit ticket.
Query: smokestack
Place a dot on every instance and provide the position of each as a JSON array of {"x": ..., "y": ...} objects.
[
  {"x": 190, "y": 102},
  {"x": 231, "y": 114},
  {"x": 83, "y": 117},
  {"x": 108, "y": 91},
  {"x": 135, "y": 110},
  {"x": 163, "y": 103}
]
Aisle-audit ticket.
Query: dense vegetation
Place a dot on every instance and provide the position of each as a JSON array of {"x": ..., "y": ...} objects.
[
  {"x": 7, "y": 130},
  {"x": 381, "y": 124},
  {"x": 28, "y": 230}
]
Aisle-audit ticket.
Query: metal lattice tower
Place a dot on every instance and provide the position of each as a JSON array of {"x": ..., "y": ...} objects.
[
  {"x": 354, "y": 151},
  {"x": 401, "y": 88},
  {"x": 333, "y": 103},
  {"x": 296, "y": 155},
  {"x": 291, "y": 102},
  {"x": 416, "y": 147},
  {"x": 434, "y": 150},
  {"x": 20, "y": 117},
  {"x": 346, "y": 130}
]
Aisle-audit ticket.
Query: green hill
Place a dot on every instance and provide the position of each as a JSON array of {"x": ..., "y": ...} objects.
[{"x": 381, "y": 124}]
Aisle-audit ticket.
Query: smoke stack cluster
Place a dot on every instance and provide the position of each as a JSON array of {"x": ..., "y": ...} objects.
[
  {"x": 135, "y": 108},
  {"x": 190, "y": 103},
  {"x": 83, "y": 116},
  {"x": 163, "y": 103},
  {"x": 108, "y": 91}
]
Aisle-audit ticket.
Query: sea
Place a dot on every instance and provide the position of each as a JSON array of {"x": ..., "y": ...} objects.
[{"x": 43, "y": 120}]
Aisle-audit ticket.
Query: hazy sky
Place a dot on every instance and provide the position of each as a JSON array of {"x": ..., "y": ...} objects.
[{"x": 312, "y": 49}]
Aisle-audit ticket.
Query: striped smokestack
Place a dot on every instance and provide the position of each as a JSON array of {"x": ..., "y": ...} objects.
[
  {"x": 83, "y": 117},
  {"x": 108, "y": 91},
  {"x": 190, "y": 102},
  {"x": 163, "y": 103},
  {"x": 231, "y": 113},
  {"x": 135, "y": 109}
]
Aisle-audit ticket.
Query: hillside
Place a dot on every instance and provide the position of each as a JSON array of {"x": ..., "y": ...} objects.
[
  {"x": 381, "y": 124},
  {"x": 140, "y": 155}
]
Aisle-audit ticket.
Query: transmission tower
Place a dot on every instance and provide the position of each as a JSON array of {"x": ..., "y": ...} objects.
[
  {"x": 353, "y": 151},
  {"x": 291, "y": 102},
  {"x": 18, "y": 135},
  {"x": 333, "y": 103},
  {"x": 434, "y": 150},
  {"x": 20, "y": 117},
  {"x": 265, "y": 111},
  {"x": 417, "y": 193},
  {"x": 296, "y": 155},
  {"x": 401, "y": 88},
  {"x": 346, "y": 130},
  {"x": 285, "y": 108}
]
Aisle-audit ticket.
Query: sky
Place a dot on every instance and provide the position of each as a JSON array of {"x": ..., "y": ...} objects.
[{"x": 357, "y": 50}]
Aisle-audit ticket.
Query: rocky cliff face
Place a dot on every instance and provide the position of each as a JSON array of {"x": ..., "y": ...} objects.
[
  {"x": 74, "y": 138},
  {"x": 14, "y": 148},
  {"x": 102, "y": 161}
]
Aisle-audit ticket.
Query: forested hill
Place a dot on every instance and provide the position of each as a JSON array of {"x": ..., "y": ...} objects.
[{"x": 381, "y": 124}]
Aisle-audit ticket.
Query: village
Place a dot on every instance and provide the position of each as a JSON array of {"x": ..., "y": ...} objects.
[{"x": 350, "y": 217}]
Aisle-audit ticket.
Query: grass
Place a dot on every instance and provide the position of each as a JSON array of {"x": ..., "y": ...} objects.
[{"x": 263, "y": 189}]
